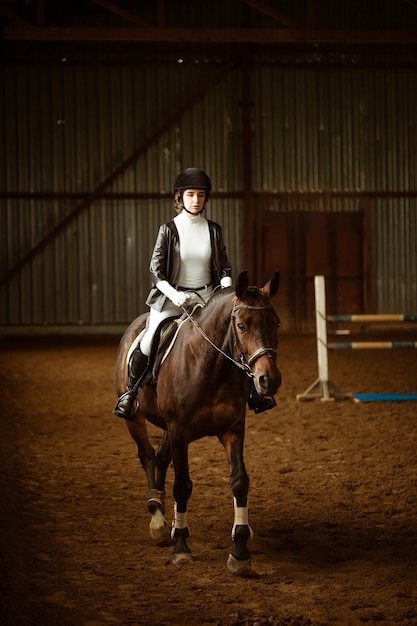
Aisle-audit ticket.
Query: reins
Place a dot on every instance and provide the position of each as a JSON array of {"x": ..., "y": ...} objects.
[
  {"x": 243, "y": 366},
  {"x": 245, "y": 362}
]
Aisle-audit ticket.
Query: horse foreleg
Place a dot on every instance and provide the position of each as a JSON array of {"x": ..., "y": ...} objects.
[
  {"x": 239, "y": 561},
  {"x": 183, "y": 487}
]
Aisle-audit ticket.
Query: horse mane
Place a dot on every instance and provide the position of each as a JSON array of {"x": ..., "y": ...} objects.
[
  {"x": 213, "y": 304},
  {"x": 221, "y": 295}
]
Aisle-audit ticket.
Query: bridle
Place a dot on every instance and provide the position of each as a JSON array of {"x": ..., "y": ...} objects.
[
  {"x": 245, "y": 362},
  {"x": 264, "y": 350}
]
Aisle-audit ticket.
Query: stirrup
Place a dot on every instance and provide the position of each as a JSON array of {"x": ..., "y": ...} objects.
[{"x": 124, "y": 406}]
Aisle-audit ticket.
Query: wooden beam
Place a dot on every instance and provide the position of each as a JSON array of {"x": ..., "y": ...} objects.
[
  {"x": 12, "y": 17},
  {"x": 313, "y": 12},
  {"x": 412, "y": 3},
  {"x": 276, "y": 15},
  {"x": 214, "y": 35},
  {"x": 281, "y": 195},
  {"x": 161, "y": 13},
  {"x": 126, "y": 15},
  {"x": 249, "y": 217},
  {"x": 40, "y": 12}
]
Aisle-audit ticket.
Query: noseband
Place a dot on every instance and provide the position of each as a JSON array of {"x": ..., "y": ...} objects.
[{"x": 248, "y": 361}]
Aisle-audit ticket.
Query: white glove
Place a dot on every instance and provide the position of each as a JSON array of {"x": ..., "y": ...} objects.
[
  {"x": 177, "y": 297},
  {"x": 226, "y": 281}
]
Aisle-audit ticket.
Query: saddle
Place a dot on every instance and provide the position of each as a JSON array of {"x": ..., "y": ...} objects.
[{"x": 163, "y": 341}]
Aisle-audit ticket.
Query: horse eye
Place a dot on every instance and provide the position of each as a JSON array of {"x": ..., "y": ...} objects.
[{"x": 241, "y": 327}]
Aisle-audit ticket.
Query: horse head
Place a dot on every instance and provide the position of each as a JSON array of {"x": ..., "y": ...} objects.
[{"x": 255, "y": 326}]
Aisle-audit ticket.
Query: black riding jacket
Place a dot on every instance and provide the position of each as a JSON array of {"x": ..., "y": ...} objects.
[{"x": 165, "y": 261}]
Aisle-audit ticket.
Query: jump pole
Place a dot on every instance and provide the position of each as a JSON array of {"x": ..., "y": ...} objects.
[
  {"x": 322, "y": 388},
  {"x": 373, "y": 345},
  {"x": 373, "y": 317},
  {"x": 325, "y": 389}
]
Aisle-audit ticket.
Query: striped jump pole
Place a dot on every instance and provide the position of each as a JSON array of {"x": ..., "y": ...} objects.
[
  {"x": 373, "y": 317},
  {"x": 322, "y": 388},
  {"x": 325, "y": 389},
  {"x": 372, "y": 345}
]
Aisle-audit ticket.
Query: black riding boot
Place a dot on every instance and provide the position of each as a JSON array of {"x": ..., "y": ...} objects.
[
  {"x": 138, "y": 367},
  {"x": 259, "y": 403}
]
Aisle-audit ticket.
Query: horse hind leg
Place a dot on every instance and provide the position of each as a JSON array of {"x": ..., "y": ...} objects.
[
  {"x": 158, "y": 526},
  {"x": 156, "y": 490}
]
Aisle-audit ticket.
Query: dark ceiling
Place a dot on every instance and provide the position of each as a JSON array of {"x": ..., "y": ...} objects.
[{"x": 232, "y": 21}]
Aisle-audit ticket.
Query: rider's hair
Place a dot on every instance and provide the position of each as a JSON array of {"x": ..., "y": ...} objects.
[{"x": 178, "y": 200}]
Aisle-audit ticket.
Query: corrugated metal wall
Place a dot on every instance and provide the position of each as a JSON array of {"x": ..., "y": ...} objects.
[
  {"x": 310, "y": 126},
  {"x": 96, "y": 270},
  {"x": 342, "y": 130},
  {"x": 395, "y": 256},
  {"x": 69, "y": 123},
  {"x": 346, "y": 130},
  {"x": 67, "y": 128}
]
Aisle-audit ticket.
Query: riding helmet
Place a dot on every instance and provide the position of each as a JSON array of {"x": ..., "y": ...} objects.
[{"x": 192, "y": 178}]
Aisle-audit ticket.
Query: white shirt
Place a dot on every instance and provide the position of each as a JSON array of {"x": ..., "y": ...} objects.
[{"x": 195, "y": 251}]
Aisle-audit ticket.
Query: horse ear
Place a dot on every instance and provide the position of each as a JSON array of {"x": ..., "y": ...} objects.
[
  {"x": 271, "y": 288},
  {"x": 242, "y": 284}
]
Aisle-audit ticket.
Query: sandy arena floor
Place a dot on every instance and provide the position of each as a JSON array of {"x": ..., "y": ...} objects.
[{"x": 333, "y": 500}]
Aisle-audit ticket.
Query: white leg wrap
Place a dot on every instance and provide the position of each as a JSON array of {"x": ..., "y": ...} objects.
[
  {"x": 241, "y": 518},
  {"x": 180, "y": 521}
]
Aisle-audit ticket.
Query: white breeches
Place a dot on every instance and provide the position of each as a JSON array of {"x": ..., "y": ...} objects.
[{"x": 155, "y": 318}]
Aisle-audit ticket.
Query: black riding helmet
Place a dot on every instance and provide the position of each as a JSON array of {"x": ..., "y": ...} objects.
[{"x": 191, "y": 178}]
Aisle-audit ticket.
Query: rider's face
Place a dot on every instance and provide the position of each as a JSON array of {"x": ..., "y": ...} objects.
[{"x": 193, "y": 200}]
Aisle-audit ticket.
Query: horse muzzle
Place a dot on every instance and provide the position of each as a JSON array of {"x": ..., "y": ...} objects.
[
  {"x": 267, "y": 385},
  {"x": 266, "y": 375}
]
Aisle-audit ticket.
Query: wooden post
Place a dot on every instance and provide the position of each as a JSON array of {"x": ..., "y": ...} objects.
[{"x": 251, "y": 227}]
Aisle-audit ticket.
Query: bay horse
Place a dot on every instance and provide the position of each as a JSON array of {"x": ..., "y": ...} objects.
[{"x": 201, "y": 390}]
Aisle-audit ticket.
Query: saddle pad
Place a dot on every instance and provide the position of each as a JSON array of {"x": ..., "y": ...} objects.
[
  {"x": 178, "y": 324},
  {"x": 167, "y": 340}
]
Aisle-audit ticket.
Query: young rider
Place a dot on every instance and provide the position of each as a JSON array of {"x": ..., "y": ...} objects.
[{"x": 189, "y": 254}]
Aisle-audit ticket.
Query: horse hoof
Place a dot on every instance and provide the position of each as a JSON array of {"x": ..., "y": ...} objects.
[
  {"x": 182, "y": 557},
  {"x": 158, "y": 527},
  {"x": 240, "y": 568},
  {"x": 160, "y": 534}
]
